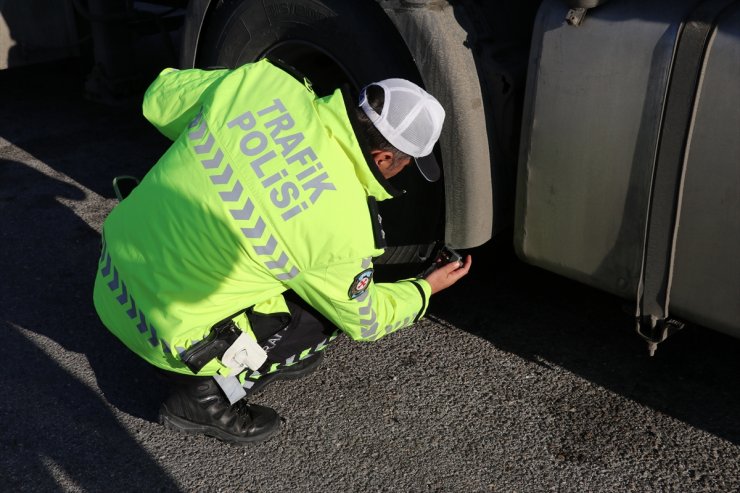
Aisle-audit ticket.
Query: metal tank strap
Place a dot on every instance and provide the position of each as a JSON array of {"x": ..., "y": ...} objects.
[{"x": 653, "y": 297}]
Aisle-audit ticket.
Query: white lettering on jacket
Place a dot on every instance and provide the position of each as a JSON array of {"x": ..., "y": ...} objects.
[{"x": 295, "y": 182}]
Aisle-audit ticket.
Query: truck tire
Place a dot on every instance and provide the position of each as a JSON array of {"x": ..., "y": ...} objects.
[{"x": 331, "y": 42}]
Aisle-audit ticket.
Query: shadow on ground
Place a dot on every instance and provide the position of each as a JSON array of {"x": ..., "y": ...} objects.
[
  {"x": 57, "y": 423},
  {"x": 551, "y": 320}
]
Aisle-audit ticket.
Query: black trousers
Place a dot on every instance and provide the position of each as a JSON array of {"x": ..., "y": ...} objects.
[{"x": 307, "y": 329}]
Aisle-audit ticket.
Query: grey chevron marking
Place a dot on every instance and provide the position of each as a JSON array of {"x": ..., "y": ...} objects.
[
  {"x": 256, "y": 231},
  {"x": 245, "y": 212},
  {"x": 224, "y": 177},
  {"x": 234, "y": 194},
  {"x": 123, "y": 297},
  {"x": 215, "y": 161},
  {"x": 367, "y": 332},
  {"x": 287, "y": 276},
  {"x": 106, "y": 270},
  {"x": 198, "y": 132},
  {"x": 196, "y": 120},
  {"x": 142, "y": 324},
  {"x": 369, "y": 321},
  {"x": 279, "y": 263},
  {"x": 131, "y": 312},
  {"x": 267, "y": 249},
  {"x": 113, "y": 285},
  {"x": 153, "y": 340},
  {"x": 365, "y": 309},
  {"x": 206, "y": 146}
]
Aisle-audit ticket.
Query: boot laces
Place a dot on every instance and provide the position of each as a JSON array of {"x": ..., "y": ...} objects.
[{"x": 241, "y": 410}]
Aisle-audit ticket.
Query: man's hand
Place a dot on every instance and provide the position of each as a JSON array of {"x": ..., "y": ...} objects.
[{"x": 449, "y": 274}]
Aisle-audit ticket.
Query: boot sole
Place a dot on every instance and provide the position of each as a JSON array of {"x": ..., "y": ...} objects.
[{"x": 175, "y": 423}]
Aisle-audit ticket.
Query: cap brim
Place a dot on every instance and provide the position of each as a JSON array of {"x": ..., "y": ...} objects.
[{"x": 428, "y": 167}]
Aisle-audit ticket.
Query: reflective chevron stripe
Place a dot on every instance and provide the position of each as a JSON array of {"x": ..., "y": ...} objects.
[
  {"x": 224, "y": 177},
  {"x": 388, "y": 329},
  {"x": 369, "y": 325},
  {"x": 249, "y": 377},
  {"x": 240, "y": 206},
  {"x": 126, "y": 300},
  {"x": 200, "y": 123}
]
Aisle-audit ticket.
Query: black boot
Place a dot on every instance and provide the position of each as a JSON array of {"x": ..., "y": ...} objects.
[
  {"x": 201, "y": 408},
  {"x": 293, "y": 372}
]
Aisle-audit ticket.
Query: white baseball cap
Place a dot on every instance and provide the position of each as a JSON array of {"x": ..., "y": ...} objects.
[{"x": 411, "y": 120}]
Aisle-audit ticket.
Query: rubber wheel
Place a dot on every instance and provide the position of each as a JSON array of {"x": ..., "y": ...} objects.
[{"x": 331, "y": 42}]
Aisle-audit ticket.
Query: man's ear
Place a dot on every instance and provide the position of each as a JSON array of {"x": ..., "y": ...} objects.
[{"x": 383, "y": 159}]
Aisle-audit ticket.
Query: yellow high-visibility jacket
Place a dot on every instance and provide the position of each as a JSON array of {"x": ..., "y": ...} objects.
[{"x": 264, "y": 189}]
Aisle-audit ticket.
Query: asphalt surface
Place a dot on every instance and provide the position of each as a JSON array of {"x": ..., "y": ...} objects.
[{"x": 518, "y": 380}]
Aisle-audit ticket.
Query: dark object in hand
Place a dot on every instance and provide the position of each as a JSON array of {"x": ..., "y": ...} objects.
[{"x": 444, "y": 257}]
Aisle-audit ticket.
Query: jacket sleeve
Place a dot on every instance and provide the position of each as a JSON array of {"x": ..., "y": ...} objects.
[
  {"x": 373, "y": 312},
  {"x": 174, "y": 98}
]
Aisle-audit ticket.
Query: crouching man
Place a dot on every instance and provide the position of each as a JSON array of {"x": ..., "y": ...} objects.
[{"x": 266, "y": 190}]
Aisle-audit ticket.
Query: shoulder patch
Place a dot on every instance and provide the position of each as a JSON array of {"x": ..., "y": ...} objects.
[{"x": 360, "y": 283}]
